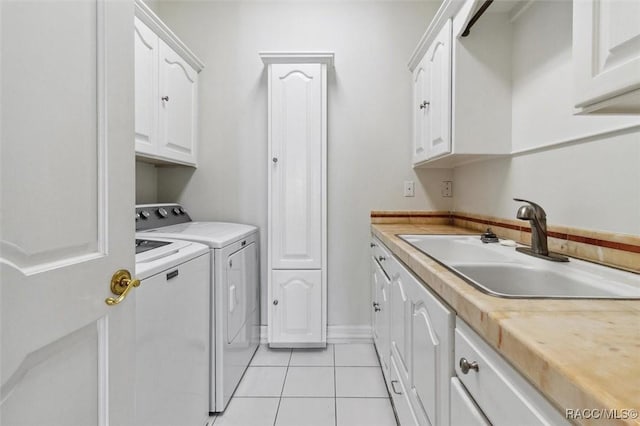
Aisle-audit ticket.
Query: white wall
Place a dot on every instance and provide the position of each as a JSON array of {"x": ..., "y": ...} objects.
[
  {"x": 591, "y": 183},
  {"x": 369, "y": 116},
  {"x": 146, "y": 183}
]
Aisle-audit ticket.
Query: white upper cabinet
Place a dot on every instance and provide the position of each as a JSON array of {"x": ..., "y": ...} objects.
[
  {"x": 462, "y": 100},
  {"x": 178, "y": 107},
  {"x": 438, "y": 94},
  {"x": 166, "y": 101},
  {"x": 606, "y": 55},
  {"x": 146, "y": 89},
  {"x": 432, "y": 99}
]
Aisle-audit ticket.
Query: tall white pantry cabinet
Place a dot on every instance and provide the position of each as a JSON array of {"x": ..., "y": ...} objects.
[{"x": 297, "y": 223}]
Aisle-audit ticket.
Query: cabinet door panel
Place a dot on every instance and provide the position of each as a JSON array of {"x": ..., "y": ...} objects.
[
  {"x": 296, "y": 190},
  {"x": 146, "y": 88},
  {"x": 420, "y": 130},
  {"x": 606, "y": 49},
  {"x": 426, "y": 361},
  {"x": 438, "y": 110},
  {"x": 381, "y": 315},
  {"x": 178, "y": 106},
  {"x": 399, "y": 302},
  {"x": 296, "y": 306}
]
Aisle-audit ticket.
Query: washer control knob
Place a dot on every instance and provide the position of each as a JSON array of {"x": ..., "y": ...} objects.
[
  {"x": 162, "y": 212},
  {"x": 182, "y": 211},
  {"x": 176, "y": 211},
  {"x": 144, "y": 214}
]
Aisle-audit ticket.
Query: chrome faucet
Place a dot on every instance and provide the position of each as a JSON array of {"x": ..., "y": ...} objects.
[{"x": 537, "y": 217}]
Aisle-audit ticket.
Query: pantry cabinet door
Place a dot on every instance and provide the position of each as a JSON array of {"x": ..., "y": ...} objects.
[
  {"x": 438, "y": 96},
  {"x": 67, "y": 172},
  {"x": 146, "y": 89},
  {"x": 606, "y": 51},
  {"x": 296, "y": 307},
  {"x": 178, "y": 107},
  {"x": 296, "y": 166}
]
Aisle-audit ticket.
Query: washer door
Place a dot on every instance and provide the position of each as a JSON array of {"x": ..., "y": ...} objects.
[{"x": 240, "y": 272}]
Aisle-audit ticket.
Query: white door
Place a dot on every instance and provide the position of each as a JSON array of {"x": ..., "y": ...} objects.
[
  {"x": 438, "y": 109},
  {"x": 296, "y": 149},
  {"x": 146, "y": 89},
  {"x": 296, "y": 306},
  {"x": 66, "y": 223},
  {"x": 178, "y": 106}
]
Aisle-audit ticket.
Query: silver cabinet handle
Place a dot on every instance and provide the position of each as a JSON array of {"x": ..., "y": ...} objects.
[
  {"x": 165, "y": 98},
  {"x": 274, "y": 159},
  {"x": 424, "y": 104},
  {"x": 275, "y": 302},
  {"x": 465, "y": 366},
  {"x": 382, "y": 258},
  {"x": 377, "y": 309},
  {"x": 393, "y": 386},
  {"x": 372, "y": 245}
]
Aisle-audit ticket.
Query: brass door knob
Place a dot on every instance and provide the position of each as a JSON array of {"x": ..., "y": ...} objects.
[{"x": 121, "y": 285}]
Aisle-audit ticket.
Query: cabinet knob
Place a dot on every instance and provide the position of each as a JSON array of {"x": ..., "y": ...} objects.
[
  {"x": 372, "y": 245},
  {"x": 376, "y": 309},
  {"x": 465, "y": 365},
  {"x": 424, "y": 104},
  {"x": 275, "y": 302},
  {"x": 382, "y": 258},
  {"x": 165, "y": 98},
  {"x": 274, "y": 159}
]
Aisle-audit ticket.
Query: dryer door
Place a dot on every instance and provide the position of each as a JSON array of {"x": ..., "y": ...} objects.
[{"x": 240, "y": 272}]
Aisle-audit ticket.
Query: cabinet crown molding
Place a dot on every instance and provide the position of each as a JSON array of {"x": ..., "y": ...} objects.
[
  {"x": 146, "y": 15},
  {"x": 297, "y": 58}
]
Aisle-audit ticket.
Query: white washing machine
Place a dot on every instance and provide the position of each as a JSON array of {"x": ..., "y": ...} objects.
[
  {"x": 235, "y": 295},
  {"x": 172, "y": 333}
]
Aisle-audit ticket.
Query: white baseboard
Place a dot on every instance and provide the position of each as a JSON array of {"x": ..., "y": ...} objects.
[{"x": 337, "y": 334}]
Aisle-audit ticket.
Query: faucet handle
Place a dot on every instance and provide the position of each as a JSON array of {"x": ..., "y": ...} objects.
[{"x": 538, "y": 209}]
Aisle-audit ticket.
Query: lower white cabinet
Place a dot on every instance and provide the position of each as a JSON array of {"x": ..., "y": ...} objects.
[
  {"x": 503, "y": 395},
  {"x": 296, "y": 307},
  {"x": 381, "y": 308},
  {"x": 416, "y": 335}
]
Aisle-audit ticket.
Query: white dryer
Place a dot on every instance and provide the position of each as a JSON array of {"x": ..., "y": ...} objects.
[{"x": 235, "y": 295}]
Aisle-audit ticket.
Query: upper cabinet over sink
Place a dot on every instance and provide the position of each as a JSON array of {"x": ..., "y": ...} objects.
[
  {"x": 497, "y": 79},
  {"x": 461, "y": 89},
  {"x": 606, "y": 46},
  {"x": 166, "y": 93}
]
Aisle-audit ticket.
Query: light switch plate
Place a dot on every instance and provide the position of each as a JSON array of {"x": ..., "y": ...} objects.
[{"x": 409, "y": 188}]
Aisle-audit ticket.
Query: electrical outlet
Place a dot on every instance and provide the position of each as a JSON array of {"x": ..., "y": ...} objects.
[
  {"x": 409, "y": 188},
  {"x": 446, "y": 188}
]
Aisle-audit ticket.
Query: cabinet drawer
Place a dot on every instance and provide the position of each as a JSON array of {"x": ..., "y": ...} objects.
[
  {"x": 381, "y": 254},
  {"x": 504, "y": 396},
  {"x": 464, "y": 411}
]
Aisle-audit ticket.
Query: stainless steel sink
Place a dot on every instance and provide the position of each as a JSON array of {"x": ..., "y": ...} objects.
[{"x": 502, "y": 271}]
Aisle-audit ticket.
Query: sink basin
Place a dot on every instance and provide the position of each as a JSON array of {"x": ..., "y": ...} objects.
[{"x": 502, "y": 271}]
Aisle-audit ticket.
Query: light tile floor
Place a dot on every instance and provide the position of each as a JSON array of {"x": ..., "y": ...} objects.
[{"x": 341, "y": 385}]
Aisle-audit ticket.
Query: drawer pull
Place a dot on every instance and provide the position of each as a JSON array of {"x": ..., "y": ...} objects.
[
  {"x": 393, "y": 386},
  {"x": 465, "y": 365}
]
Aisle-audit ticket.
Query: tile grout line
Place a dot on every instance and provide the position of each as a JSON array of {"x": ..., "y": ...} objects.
[
  {"x": 282, "y": 390},
  {"x": 335, "y": 388}
]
